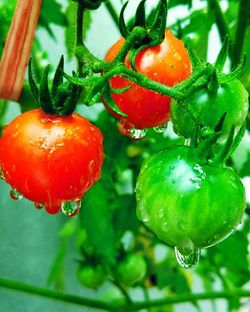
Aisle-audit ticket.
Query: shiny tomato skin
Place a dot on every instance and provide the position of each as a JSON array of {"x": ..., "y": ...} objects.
[
  {"x": 188, "y": 204},
  {"x": 208, "y": 108},
  {"x": 50, "y": 159},
  {"x": 168, "y": 64}
]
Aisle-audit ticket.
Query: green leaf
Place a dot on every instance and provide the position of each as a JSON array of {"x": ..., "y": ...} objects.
[
  {"x": 51, "y": 13},
  {"x": 96, "y": 217},
  {"x": 174, "y": 3},
  {"x": 168, "y": 276},
  {"x": 70, "y": 28}
]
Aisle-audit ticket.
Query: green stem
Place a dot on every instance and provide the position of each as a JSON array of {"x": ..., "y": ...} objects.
[
  {"x": 112, "y": 12},
  {"x": 241, "y": 28},
  {"x": 56, "y": 295},
  {"x": 123, "y": 291},
  {"x": 79, "y": 25},
  {"x": 220, "y": 19},
  {"x": 79, "y": 33},
  {"x": 135, "y": 306}
]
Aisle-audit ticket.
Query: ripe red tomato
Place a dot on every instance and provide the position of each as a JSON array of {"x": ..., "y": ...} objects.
[
  {"x": 168, "y": 64},
  {"x": 51, "y": 159}
]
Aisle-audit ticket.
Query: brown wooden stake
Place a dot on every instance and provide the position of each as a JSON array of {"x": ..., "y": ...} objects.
[{"x": 17, "y": 48}]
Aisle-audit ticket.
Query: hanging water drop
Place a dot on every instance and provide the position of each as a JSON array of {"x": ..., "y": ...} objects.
[
  {"x": 187, "y": 261},
  {"x": 71, "y": 208},
  {"x": 160, "y": 129},
  {"x": 14, "y": 194},
  {"x": 137, "y": 134},
  {"x": 39, "y": 205}
]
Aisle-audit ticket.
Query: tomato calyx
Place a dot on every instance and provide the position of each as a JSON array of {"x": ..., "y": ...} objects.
[
  {"x": 152, "y": 33},
  {"x": 61, "y": 100}
]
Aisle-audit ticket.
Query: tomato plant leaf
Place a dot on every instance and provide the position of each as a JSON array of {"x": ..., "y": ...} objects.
[{"x": 96, "y": 217}]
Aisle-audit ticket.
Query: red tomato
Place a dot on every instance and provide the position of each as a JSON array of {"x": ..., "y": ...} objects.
[
  {"x": 51, "y": 159},
  {"x": 168, "y": 64}
]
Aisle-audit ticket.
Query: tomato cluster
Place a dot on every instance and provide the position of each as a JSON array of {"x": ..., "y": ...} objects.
[
  {"x": 167, "y": 63},
  {"x": 51, "y": 160}
]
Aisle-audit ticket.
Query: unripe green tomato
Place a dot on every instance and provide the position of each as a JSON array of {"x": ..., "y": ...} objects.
[
  {"x": 208, "y": 108},
  {"x": 131, "y": 269},
  {"x": 186, "y": 203},
  {"x": 91, "y": 276}
]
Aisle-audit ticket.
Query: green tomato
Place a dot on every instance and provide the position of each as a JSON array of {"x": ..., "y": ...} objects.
[
  {"x": 208, "y": 108},
  {"x": 90, "y": 276},
  {"x": 186, "y": 203},
  {"x": 131, "y": 269}
]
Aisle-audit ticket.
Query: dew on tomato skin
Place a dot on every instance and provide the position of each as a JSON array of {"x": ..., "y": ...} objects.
[
  {"x": 189, "y": 260},
  {"x": 160, "y": 129},
  {"x": 14, "y": 194},
  {"x": 137, "y": 133},
  {"x": 39, "y": 205},
  {"x": 71, "y": 208}
]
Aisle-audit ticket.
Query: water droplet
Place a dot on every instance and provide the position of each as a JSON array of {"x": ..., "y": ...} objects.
[
  {"x": 14, "y": 194},
  {"x": 71, "y": 208},
  {"x": 39, "y": 205},
  {"x": 160, "y": 129},
  {"x": 189, "y": 260},
  {"x": 137, "y": 133},
  {"x": 143, "y": 214},
  {"x": 2, "y": 174}
]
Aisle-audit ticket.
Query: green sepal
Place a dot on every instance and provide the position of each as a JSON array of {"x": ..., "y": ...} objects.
[
  {"x": 133, "y": 54},
  {"x": 120, "y": 90},
  {"x": 93, "y": 95},
  {"x": 157, "y": 32},
  {"x": 111, "y": 103},
  {"x": 203, "y": 150},
  {"x": 238, "y": 138},
  {"x": 224, "y": 78},
  {"x": 33, "y": 87},
  {"x": 222, "y": 155},
  {"x": 81, "y": 81},
  {"x": 58, "y": 77},
  {"x": 220, "y": 124},
  {"x": 213, "y": 84},
  {"x": 68, "y": 108},
  {"x": 44, "y": 94},
  {"x": 222, "y": 56},
  {"x": 140, "y": 19},
  {"x": 195, "y": 60},
  {"x": 122, "y": 25},
  {"x": 90, "y": 4}
]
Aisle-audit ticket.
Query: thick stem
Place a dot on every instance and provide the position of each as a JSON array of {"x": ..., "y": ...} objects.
[
  {"x": 135, "y": 306},
  {"x": 53, "y": 294},
  {"x": 79, "y": 33},
  {"x": 242, "y": 24},
  {"x": 17, "y": 48}
]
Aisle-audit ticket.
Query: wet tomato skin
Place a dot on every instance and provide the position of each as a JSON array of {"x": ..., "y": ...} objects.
[
  {"x": 50, "y": 159},
  {"x": 198, "y": 204},
  {"x": 168, "y": 64},
  {"x": 208, "y": 107}
]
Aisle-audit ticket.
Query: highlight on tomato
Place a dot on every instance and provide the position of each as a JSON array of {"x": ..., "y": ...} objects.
[
  {"x": 167, "y": 63},
  {"x": 51, "y": 160},
  {"x": 188, "y": 203}
]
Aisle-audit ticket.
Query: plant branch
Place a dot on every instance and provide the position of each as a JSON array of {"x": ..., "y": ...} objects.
[
  {"x": 112, "y": 12},
  {"x": 56, "y": 295},
  {"x": 241, "y": 28},
  {"x": 135, "y": 306}
]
